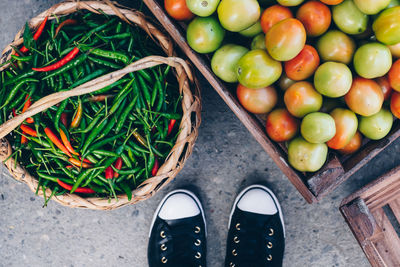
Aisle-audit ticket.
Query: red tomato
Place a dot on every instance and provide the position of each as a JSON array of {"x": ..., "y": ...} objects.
[
  {"x": 385, "y": 86},
  {"x": 303, "y": 65},
  {"x": 257, "y": 101},
  {"x": 273, "y": 15},
  {"x": 353, "y": 145},
  {"x": 316, "y": 17},
  {"x": 178, "y": 9},
  {"x": 394, "y": 76},
  {"x": 281, "y": 126},
  {"x": 395, "y": 104},
  {"x": 331, "y": 2}
]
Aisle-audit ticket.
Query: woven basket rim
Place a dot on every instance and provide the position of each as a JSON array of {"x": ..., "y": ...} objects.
[{"x": 188, "y": 86}]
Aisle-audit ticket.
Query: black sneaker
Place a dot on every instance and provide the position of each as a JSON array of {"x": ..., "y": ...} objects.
[
  {"x": 256, "y": 235},
  {"x": 178, "y": 232}
]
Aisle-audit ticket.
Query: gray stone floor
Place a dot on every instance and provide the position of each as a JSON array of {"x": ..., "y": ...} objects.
[{"x": 226, "y": 158}]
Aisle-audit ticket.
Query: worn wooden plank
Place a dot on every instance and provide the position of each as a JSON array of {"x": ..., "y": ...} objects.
[
  {"x": 395, "y": 206},
  {"x": 386, "y": 240}
]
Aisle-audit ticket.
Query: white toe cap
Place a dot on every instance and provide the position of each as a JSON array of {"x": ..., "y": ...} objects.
[
  {"x": 257, "y": 201},
  {"x": 178, "y": 206}
]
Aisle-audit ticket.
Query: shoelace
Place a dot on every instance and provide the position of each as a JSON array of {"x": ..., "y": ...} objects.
[
  {"x": 181, "y": 244},
  {"x": 249, "y": 243}
]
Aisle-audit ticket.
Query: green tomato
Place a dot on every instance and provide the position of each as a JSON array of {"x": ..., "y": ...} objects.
[
  {"x": 224, "y": 61},
  {"x": 371, "y": 7},
  {"x": 290, "y": 2},
  {"x": 257, "y": 69},
  {"x": 306, "y": 157},
  {"x": 205, "y": 35},
  {"x": 349, "y": 18},
  {"x": 387, "y": 26},
  {"x": 333, "y": 79},
  {"x": 253, "y": 30},
  {"x": 336, "y": 46},
  {"x": 372, "y": 60},
  {"x": 202, "y": 8},
  {"x": 377, "y": 126},
  {"x": 258, "y": 42},
  {"x": 318, "y": 127},
  {"x": 238, "y": 15},
  {"x": 394, "y": 3}
]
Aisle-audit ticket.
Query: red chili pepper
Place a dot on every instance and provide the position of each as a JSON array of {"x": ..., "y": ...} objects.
[
  {"x": 86, "y": 160},
  {"x": 155, "y": 167},
  {"x": 67, "y": 143},
  {"x": 56, "y": 141},
  {"x": 118, "y": 166},
  {"x": 62, "y": 24},
  {"x": 64, "y": 119},
  {"x": 109, "y": 172},
  {"x": 70, "y": 56},
  {"x": 69, "y": 166},
  {"x": 27, "y": 104},
  {"x": 24, "y": 140},
  {"x": 171, "y": 125},
  {"x": 28, "y": 130},
  {"x": 36, "y": 35},
  {"x": 14, "y": 113},
  {"x": 83, "y": 190},
  {"x": 76, "y": 162}
]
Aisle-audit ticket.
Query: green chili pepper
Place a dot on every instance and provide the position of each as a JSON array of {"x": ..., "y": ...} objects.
[
  {"x": 15, "y": 90},
  {"x": 94, "y": 134}
]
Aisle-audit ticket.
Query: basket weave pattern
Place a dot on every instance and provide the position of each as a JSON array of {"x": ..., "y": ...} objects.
[{"x": 188, "y": 86}]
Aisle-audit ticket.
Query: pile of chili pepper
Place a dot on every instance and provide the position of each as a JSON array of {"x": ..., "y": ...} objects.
[{"x": 102, "y": 144}]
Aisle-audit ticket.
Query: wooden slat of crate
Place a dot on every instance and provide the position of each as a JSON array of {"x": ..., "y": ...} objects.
[
  {"x": 364, "y": 213},
  {"x": 312, "y": 187}
]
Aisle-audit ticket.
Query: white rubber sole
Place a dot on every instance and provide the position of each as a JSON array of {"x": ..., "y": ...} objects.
[
  {"x": 174, "y": 192},
  {"x": 266, "y": 189}
]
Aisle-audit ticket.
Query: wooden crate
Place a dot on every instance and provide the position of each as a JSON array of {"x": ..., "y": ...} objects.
[
  {"x": 373, "y": 214},
  {"x": 312, "y": 186}
]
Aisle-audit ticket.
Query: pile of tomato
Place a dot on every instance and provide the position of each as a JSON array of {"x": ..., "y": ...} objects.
[{"x": 326, "y": 73}]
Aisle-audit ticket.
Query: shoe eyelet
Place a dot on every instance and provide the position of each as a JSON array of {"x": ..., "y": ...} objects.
[
  {"x": 197, "y": 230},
  {"x": 236, "y": 240},
  {"x": 197, "y": 242},
  {"x": 269, "y": 258},
  {"x": 271, "y": 232},
  {"x": 238, "y": 226},
  {"x": 232, "y": 264},
  {"x": 163, "y": 247},
  {"x": 164, "y": 260},
  {"x": 269, "y": 245},
  {"x": 162, "y": 234},
  {"x": 234, "y": 253},
  {"x": 198, "y": 255}
]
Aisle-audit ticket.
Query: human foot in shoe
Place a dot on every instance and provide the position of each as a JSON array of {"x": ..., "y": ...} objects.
[
  {"x": 256, "y": 235},
  {"x": 178, "y": 232}
]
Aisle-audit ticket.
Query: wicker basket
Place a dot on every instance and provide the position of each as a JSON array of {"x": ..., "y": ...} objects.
[{"x": 188, "y": 87}]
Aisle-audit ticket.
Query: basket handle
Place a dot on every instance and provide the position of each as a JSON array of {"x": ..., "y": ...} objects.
[{"x": 94, "y": 85}]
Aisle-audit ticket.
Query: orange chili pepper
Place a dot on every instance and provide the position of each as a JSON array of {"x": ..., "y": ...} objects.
[
  {"x": 27, "y": 104},
  {"x": 67, "y": 143},
  {"x": 56, "y": 141},
  {"x": 78, "y": 116},
  {"x": 24, "y": 140},
  {"x": 76, "y": 162},
  {"x": 28, "y": 130},
  {"x": 62, "y": 24}
]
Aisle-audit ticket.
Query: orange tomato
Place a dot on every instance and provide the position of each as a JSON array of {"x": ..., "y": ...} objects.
[
  {"x": 281, "y": 126},
  {"x": 395, "y": 104},
  {"x": 331, "y": 2},
  {"x": 303, "y": 65},
  {"x": 385, "y": 86},
  {"x": 315, "y": 16},
  {"x": 178, "y": 9},
  {"x": 353, "y": 145},
  {"x": 273, "y": 15},
  {"x": 395, "y": 50},
  {"x": 394, "y": 76},
  {"x": 301, "y": 98},
  {"x": 346, "y": 126},
  {"x": 365, "y": 97},
  {"x": 258, "y": 101}
]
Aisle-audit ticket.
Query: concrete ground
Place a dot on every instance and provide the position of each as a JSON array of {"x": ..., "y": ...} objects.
[{"x": 226, "y": 158}]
